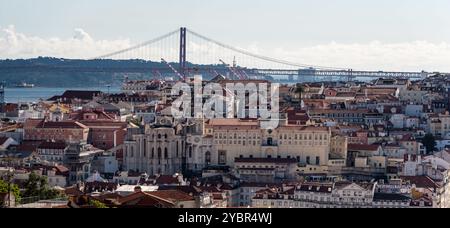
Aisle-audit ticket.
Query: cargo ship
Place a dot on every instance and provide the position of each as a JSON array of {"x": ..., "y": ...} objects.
[{"x": 24, "y": 85}]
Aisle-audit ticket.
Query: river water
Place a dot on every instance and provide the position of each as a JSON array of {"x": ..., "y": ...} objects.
[{"x": 15, "y": 95}]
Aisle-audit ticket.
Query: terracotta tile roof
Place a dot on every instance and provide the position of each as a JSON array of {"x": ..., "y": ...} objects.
[
  {"x": 104, "y": 123},
  {"x": 100, "y": 115},
  {"x": 61, "y": 170},
  {"x": 421, "y": 181},
  {"x": 268, "y": 191},
  {"x": 73, "y": 191},
  {"x": 271, "y": 194},
  {"x": 41, "y": 123},
  {"x": 218, "y": 196},
  {"x": 62, "y": 124},
  {"x": 227, "y": 187},
  {"x": 32, "y": 123},
  {"x": 10, "y": 107},
  {"x": 53, "y": 145},
  {"x": 80, "y": 94},
  {"x": 166, "y": 198},
  {"x": 297, "y": 115},
  {"x": 145, "y": 200},
  {"x": 3, "y": 140},
  {"x": 167, "y": 179},
  {"x": 172, "y": 195},
  {"x": 407, "y": 138},
  {"x": 30, "y": 146}
]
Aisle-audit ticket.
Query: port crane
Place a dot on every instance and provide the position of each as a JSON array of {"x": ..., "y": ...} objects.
[
  {"x": 173, "y": 69},
  {"x": 245, "y": 74},
  {"x": 213, "y": 72},
  {"x": 236, "y": 74},
  {"x": 242, "y": 73}
]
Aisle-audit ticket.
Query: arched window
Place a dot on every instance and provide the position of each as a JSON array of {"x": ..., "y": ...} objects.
[
  {"x": 208, "y": 158},
  {"x": 177, "y": 150},
  {"x": 166, "y": 153},
  {"x": 153, "y": 152},
  {"x": 269, "y": 141},
  {"x": 159, "y": 153},
  {"x": 159, "y": 136}
]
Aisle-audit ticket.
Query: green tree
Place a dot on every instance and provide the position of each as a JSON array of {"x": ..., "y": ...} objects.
[
  {"x": 37, "y": 186},
  {"x": 429, "y": 141},
  {"x": 299, "y": 89},
  {"x": 14, "y": 189},
  {"x": 97, "y": 204}
]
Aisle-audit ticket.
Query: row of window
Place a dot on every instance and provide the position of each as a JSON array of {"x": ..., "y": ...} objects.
[
  {"x": 269, "y": 143},
  {"x": 261, "y": 166},
  {"x": 339, "y": 115},
  {"x": 304, "y": 137},
  {"x": 130, "y": 153},
  {"x": 282, "y": 136},
  {"x": 237, "y": 136},
  {"x": 50, "y": 158},
  {"x": 239, "y": 142},
  {"x": 50, "y": 152},
  {"x": 290, "y": 203}
]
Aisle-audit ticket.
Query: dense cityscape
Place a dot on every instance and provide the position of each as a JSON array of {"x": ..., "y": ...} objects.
[
  {"x": 381, "y": 144},
  {"x": 244, "y": 107}
]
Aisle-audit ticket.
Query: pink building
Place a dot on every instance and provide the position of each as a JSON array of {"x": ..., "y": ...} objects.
[
  {"x": 106, "y": 135},
  {"x": 42, "y": 130}
]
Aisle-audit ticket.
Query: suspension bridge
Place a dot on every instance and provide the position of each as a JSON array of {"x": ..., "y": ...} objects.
[{"x": 184, "y": 53}]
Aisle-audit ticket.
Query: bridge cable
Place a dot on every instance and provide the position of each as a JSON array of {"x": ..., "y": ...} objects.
[
  {"x": 138, "y": 46},
  {"x": 244, "y": 52}
]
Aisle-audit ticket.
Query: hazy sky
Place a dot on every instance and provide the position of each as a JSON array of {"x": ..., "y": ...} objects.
[{"x": 384, "y": 34}]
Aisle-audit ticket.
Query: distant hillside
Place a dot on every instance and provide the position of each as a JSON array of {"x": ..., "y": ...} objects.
[{"x": 54, "y": 72}]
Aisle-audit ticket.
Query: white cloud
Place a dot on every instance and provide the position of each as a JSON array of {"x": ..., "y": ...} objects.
[
  {"x": 14, "y": 45},
  {"x": 376, "y": 55}
]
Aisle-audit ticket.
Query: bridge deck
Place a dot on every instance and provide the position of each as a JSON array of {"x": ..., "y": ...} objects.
[
  {"x": 261, "y": 72},
  {"x": 341, "y": 73}
]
